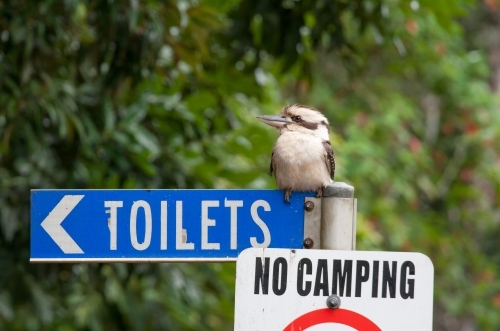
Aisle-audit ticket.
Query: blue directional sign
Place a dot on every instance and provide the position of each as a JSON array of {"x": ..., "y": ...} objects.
[{"x": 161, "y": 225}]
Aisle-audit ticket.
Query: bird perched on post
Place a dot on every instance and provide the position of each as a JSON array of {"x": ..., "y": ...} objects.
[{"x": 302, "y": 158}]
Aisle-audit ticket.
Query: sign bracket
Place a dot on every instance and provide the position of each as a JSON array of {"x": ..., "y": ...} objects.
[{"x": 330, "y": 222}]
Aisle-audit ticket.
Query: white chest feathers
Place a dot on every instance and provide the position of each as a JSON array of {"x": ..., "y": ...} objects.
[{"x": 299, "y": 162}]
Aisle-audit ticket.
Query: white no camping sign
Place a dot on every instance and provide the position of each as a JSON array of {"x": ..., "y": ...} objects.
[{"x": 287, "y": 289}]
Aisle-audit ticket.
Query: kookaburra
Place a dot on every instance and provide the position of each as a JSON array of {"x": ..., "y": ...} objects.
[{"x": 302, "y": 158}]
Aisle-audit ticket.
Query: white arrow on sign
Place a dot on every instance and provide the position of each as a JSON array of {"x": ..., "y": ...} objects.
[{"x": 52, "y": 224}]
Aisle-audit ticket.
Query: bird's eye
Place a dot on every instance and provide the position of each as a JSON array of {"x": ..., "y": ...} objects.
[{"x": 296, "y": 118}]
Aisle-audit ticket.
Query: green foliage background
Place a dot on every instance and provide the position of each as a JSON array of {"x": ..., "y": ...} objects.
[{"x": 164, "y": 94}]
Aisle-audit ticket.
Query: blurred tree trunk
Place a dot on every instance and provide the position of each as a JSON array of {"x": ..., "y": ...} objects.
[
  {"x": 491, "y": 10},
  {"x": 482, "y": 29}
]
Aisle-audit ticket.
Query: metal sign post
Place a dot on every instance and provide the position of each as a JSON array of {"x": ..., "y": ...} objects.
[
  {"x": 338, "y": 217},
  {"x": 330, "y": 222}
]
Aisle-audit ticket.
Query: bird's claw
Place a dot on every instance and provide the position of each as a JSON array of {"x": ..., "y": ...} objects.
[{"x": 288, "y": 194}]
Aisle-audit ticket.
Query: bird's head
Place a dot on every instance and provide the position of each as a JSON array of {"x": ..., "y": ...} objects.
[{"x": 299, "y": 118}]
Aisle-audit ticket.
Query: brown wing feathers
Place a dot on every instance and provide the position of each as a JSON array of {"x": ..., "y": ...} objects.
[{"x": 330, "y": 158}]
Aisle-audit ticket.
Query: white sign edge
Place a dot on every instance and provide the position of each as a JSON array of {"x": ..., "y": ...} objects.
[{"x": 129, "y": 260}]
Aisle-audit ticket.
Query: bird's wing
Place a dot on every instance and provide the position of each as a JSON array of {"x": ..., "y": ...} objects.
[
  {"x": 329, "y": 158},
  {"x": 271, "y": 167}
]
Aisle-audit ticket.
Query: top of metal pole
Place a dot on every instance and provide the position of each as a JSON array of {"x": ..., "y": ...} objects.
[{"x": 338, "y": 190}]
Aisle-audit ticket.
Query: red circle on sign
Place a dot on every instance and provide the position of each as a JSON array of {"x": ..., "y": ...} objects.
[{"x": 341, "y": 316}]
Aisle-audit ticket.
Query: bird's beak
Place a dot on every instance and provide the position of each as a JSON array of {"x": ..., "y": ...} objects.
[{"x": 274, "y": 120}]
